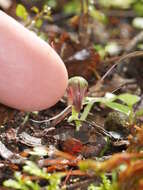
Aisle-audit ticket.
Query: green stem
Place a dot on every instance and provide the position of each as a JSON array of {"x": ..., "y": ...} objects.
[
  {"x": 86, "y": 111},
  {"x": 75, "y": 117},
  {"x": 131, "y": 116},
  {"x": 26, "y": 118}
]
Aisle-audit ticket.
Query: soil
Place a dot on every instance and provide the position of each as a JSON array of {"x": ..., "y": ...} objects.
[{"x": 97, "y": 138}]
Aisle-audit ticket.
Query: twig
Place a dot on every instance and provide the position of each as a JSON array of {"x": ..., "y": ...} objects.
[
  {"x": 29, "y": 140},
  {"x": 83, "y": 23},
  {"x": 119, "y": 13},
  {"x": 101, "y": 130},
  {"x": 56, "y": 119},
  {"x": 123, "y": 85},
  {"x": 81, "y": 184},
  {"x": 122, "y": 58},
  {"x": 131, "y": 45}
]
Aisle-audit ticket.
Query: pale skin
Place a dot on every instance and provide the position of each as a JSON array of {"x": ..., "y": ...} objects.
[{"x": 32, "y": 75}]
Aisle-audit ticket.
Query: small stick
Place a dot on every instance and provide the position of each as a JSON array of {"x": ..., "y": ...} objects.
[
  {"x": 56, "y": 119},
  {"x": 122, "y": 58},
  {"x": 131, "y": 45},
  {"x": 101, "y": 130}
]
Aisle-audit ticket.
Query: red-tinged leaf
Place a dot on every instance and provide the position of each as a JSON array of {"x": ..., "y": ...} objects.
[{"x": 72, "y": 146}]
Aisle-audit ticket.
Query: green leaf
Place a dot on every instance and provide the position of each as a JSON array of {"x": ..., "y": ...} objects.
[
  {"x": 139, "y": 113},
  {"x": 138, "y": 7},
  {"x": 52, "y": 3},
  {"x": 21, "y": 12},
  {"x": 32, "y": 185},
  {"x": 119, "y": 107},
  {"x": 12, "y": 183},
  {"x": 72, "y": 7},
  {"x": 129, "y": 99},
  {"x": 98, "y": 15},
  {"x": 33, "y": 169},
  {"x": 39, "y": 23},
  {"x": 123, "y": 4},
  {"x": 35, "y": 9},
  {"x": 107, "y": 98}
]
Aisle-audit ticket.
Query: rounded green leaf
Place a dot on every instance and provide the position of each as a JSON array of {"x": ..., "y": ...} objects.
[{"x": 21, "y": 12}]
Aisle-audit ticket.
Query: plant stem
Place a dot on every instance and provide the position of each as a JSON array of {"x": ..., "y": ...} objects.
[
  {"x": 75, "y": 117},
  {"x": 131, "y": 116},
  {"x": 86, "y": 111}
]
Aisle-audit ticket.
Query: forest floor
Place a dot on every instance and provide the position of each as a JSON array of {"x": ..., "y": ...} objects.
[{"x": 110, "y": 136}]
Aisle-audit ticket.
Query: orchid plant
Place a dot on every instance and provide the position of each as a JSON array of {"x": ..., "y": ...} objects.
[{"x": 77, "y": 91}]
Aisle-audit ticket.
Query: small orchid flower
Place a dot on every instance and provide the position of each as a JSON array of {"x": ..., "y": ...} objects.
[{"x": 76, "y": 91}]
